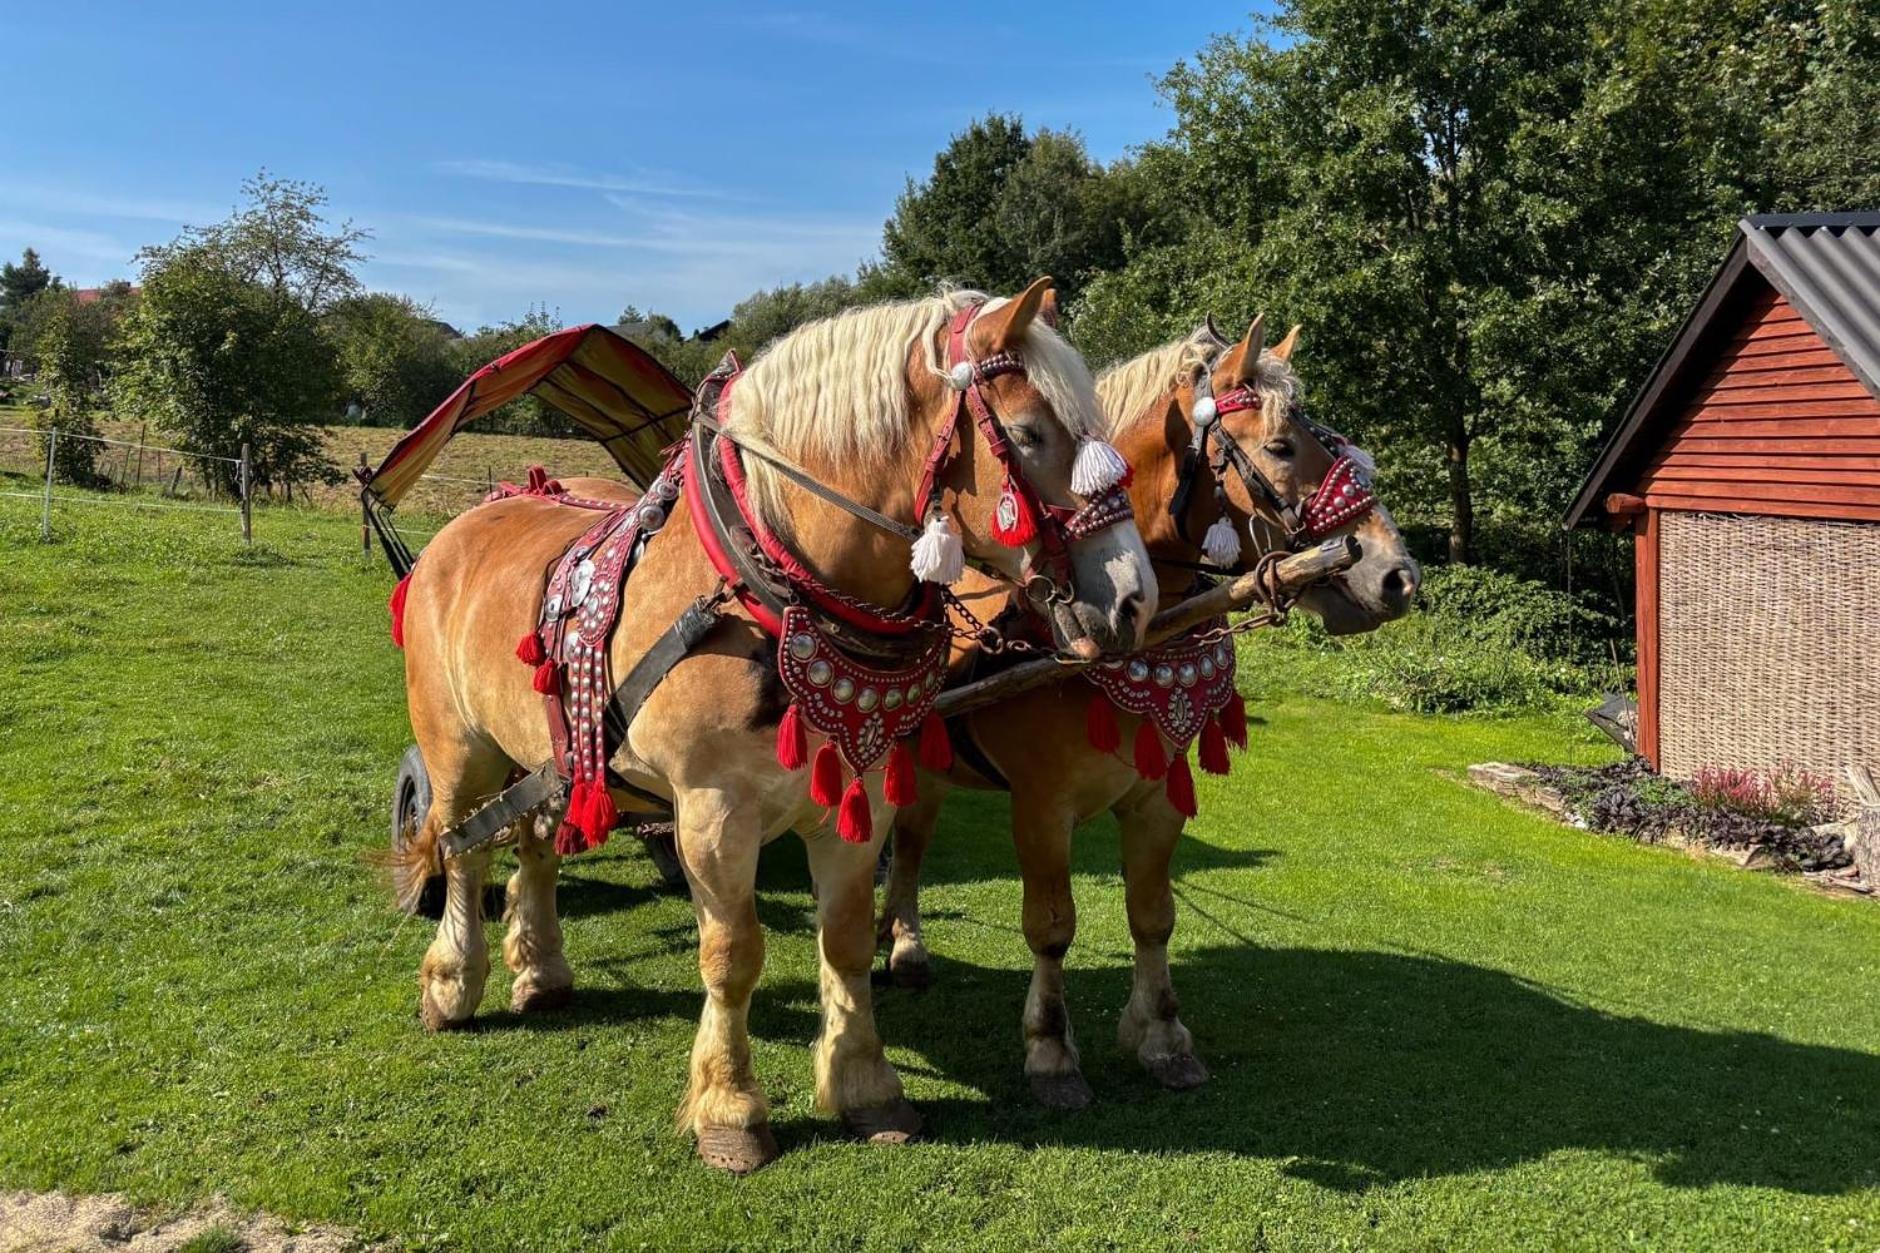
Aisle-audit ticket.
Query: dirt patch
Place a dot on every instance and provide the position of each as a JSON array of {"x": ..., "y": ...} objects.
[{"x": 55, "y": 1222}]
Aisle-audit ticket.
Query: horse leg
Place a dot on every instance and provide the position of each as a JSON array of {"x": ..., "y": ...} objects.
[
  {"x": 1151, "y": 1026},
  {"x": 1041, "y": 828},
  {"x": 532, "y": 945},
  {"x": 724, "y": 1107},
  {"x": 853, "y": 1077},
  {"x": 456, "y": 965},
  {"x": 900, "y": 908}
]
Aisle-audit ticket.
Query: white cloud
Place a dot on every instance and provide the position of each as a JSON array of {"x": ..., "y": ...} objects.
[{"x": 645, "y": 183}]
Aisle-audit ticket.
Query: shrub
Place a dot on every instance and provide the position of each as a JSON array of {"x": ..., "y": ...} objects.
[{"x": 1787, "y": 795}]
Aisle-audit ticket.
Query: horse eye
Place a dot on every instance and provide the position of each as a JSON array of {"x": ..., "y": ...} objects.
[
  {"x": 1280, "y": 448},
  {"x": 1026, "y": 436}
]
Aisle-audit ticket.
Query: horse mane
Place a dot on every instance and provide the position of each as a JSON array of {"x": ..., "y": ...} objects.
[
  {"x": 1129, "y": 389},
  {"x": 834, "y": 391}
]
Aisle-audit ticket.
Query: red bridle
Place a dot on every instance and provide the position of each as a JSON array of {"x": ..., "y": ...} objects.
[
  {"x": 1342, "y": 497},
  {"x": 1020, "y": 516}
]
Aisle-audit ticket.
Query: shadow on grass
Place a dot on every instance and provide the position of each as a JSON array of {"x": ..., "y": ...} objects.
[{"x": 1357, "y": 1069}]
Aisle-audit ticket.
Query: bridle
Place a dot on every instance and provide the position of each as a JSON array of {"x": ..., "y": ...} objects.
[
  {"x": 1020, "y": 518},
  {"x": 1342, "y": 497}
]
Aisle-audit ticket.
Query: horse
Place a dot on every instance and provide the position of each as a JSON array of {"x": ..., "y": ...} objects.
[
  {"x": 868, "y": 407},
  {"x": 1037, "y": 744}
]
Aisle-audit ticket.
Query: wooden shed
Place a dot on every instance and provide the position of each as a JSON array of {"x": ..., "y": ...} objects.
[{"x": 1748, "y": 469}]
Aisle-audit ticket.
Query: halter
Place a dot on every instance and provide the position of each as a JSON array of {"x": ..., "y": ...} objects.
[
  {"x": 1020, "y": 516},
  {"x": 1343, "y": 496}
]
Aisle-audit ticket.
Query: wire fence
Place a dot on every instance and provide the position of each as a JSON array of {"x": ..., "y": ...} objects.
[{"x": 124, "y": 473}]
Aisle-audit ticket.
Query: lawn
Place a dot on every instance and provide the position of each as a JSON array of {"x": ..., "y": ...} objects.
[{"x": 1433, "y": 1020}]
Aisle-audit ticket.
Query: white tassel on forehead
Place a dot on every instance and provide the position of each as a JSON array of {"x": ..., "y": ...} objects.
[
  {"x": 1221, "y": 545},
  {"x": 1098, "y": 468},
  {"x": 938, "y": 555}
]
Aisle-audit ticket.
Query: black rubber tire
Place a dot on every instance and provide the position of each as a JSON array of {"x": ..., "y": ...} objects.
[
  {"x": 663, "y": 847},
  {"x": 411, "y": 800}
]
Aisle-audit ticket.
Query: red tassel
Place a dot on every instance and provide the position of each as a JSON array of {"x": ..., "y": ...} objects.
[
  {"x": 397, "y": 606},
  {"x": 897, "y": 782},
  {"x": 1213, "y": 754},
  {"x": 1181, "y": 786},
  {"x": 1234, "y": 720},
  {"x": 1100, "y": 724},
  {"x": 854, "y": 823},
  {"x": 601, "y": 814},
  {"x": 936, "y": 747},
  {"x": 792, "y": 740},
  {"x": 569, "y": 838},
  {"x": 529, "y": 650},
  {"x": 1150, "y": 762},
  {"x": 547, "y": 678},
  {"x": 825, "y": 776},
  {"x": 1013, "y": 522}
]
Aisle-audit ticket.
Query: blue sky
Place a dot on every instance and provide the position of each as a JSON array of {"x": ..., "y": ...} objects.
[{"x": 676, "y": 156}]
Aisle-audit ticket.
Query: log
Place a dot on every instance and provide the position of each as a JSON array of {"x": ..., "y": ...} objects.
[{"x": 1290, "y": 576}]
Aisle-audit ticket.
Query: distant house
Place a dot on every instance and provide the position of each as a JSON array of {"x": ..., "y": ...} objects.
[
  {"x": 1748, "y": 470},
  {"x": 444, "y": 328},
  {"x": 91, "y": 295}
]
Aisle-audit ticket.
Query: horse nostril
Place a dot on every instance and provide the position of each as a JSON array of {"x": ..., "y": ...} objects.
[
  {"x": 1400, "y": 583},
  {"x": 1131, "y": 608}
]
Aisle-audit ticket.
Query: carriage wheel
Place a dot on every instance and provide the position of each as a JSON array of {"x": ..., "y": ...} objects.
[
  {"x": 411, "y": 800},
  {"x": 662, "y": 844}
]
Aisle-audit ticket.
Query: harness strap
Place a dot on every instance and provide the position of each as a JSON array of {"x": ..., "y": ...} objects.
[
  {"x": 667, "y": 651},
  {"x": 803, "y": 480},
  {"x": 500, "y": 814}
]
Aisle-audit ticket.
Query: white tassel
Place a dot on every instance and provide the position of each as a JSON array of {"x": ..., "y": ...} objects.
[
  {"x": 960, "y": 377},
  {"x": 938, "y": 555},
  {"x": 1098, "y": 468},
  {"x": 1204, "y": 410},
  {"x": 1221, "y": 544}
]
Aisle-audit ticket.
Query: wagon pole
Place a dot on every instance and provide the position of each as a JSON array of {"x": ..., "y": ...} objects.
[{"x": 1282, "y": 581}]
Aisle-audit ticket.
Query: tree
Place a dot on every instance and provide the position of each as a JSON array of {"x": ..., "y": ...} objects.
[
  {"x": 526, "y": 415},
  {"x": 1002, "y": 207},
  {"x": 395, "y": 360},
  {"x": 279, "y": 238},
  {"x": 74, "y": 357},
  {"x": 19, "y": 285}
]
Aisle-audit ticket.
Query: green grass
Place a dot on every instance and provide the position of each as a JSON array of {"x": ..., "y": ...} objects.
[{"x": 1433, "y": 1020}]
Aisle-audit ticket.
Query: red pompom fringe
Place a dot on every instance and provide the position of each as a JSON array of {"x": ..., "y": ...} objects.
[
  {"x": 529, "y": 650},
  {"x": 1150, "y": 761},
  {"x": 792, "y": 740},
  {"x": 936, "y": 748},
  {"x": 547, "y": 678},
  {"x": 1234, "y": 720},
  {"x": 571, "y": 836},
  {"x": 1024, "y": 527},
  {"x": 825, "y": 776},
  {"x": 898, "y": 784},
  {"x": 601, "y": 814},
  {"x": 854, "y": 823},
  {"x": 1100, "y": 724},
  {"x": 397, "y": 606},
  {"x": 1180, "y": 786},
  {"x": 1213, "y": 754}
]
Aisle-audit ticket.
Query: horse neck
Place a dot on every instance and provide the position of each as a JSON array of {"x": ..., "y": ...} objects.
[
  {"x": 847, "y": 553},
  {"x": 1153, "y": 445}
]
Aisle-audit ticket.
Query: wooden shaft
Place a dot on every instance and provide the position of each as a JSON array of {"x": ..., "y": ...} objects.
[{"x": 1290, "y": 576}]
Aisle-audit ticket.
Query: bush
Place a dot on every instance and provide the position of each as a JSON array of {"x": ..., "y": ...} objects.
[
  {"x": 1787, "y": 795},
  {"x": 1479, "y": 641}
]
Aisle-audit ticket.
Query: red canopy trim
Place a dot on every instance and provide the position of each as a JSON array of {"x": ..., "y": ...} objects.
[{"x": 607, "y": 385}]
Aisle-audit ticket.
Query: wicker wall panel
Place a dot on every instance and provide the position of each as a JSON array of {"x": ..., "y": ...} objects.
[{"x": 1769, "y": 643}]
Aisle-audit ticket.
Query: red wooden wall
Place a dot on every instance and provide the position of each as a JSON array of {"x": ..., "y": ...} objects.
[{"x": 1778, "y": 426}]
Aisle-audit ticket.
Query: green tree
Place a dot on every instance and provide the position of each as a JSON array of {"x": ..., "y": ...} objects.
[
  {"x": 526, "y": 415},
  {"x": 395, "y": 361},
  {"x": 20, "y": 285},
  {"x": 74, "y": 351},
  {"x": 279, "y": 239},
  {"x": 1002, "y": 207}
]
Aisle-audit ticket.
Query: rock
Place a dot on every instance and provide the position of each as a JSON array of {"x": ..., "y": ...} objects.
[
  {"x": 1520, "y": 784},
  {"x": 1756, "y": 857}
]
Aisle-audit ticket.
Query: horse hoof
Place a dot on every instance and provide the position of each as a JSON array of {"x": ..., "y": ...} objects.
[
  {"x": 737, "y": 1150},
  {"x": 529, "y": 999},
  {"x": 1066, "y": 1091},
  {"x": 894, "y": 1123},
  {"x": 916, "y": 976},
  {"x": 1179, "y": 1072},
  {"x": 435, "y": 1020}
]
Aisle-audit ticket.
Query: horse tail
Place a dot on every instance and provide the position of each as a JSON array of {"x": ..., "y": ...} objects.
[{"x": 414, "y": 860}]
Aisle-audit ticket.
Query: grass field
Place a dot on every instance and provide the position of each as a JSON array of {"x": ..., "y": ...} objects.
[{"x": 1434, "y": 1021}]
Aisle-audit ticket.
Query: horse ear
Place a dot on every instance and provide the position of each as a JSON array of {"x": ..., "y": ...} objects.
[
  {"x": 1048, "y": 308},
  {"x": 1005, "y": 326},
  {"x": 1213, "y": 332},
  {"x": 1241, "y": 365},
  {"x": 1284, "y": 349}
]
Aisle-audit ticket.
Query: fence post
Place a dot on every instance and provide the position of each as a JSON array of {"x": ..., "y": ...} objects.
[
  {"x": 365, "y": 510},
  {"x": 45, "y": 518},
  {"x": 142, "y": 431},
  {"x": 248, "y": 521}
]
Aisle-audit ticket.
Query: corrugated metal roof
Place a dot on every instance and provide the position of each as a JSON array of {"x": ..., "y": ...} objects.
[{"x": 1826, "y": 264}]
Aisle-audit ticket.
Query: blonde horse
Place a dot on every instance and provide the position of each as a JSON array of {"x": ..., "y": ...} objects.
[
  {"x": 1037, "y": 746},
  {"x": 856, "y": 401}
]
